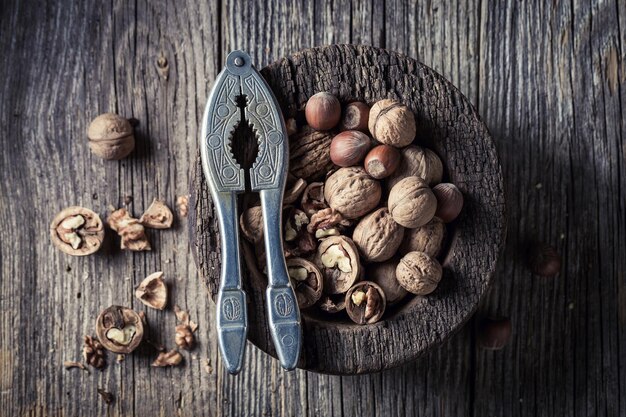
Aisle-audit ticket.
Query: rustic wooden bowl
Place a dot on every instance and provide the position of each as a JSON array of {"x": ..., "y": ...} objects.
[{"x": 447, "y": 123}]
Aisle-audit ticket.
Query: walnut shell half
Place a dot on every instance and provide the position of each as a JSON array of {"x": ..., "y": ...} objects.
[
  {"x": 307, "y": 281},
  {"x": 157, "y": 216},
  {"x": 77, "y": 231},
  {"x": 338, "y": 260},
  {"x": 119, "y": 329},
  {"x": 352, "y": 192},
  {"x": 378, "y": 236}
]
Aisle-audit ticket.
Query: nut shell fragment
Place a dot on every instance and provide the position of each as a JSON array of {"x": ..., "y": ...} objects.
[
  {"x": 338, "y": 260},
  {"x": 119, "y": 329},
  {"x": 77, "y": 231},
  {"x": 152, "y": 291},
  {"x": 365, "y": 303},
  {"x": 307, "y": 281},
  {"x": 157, "y": 216}
]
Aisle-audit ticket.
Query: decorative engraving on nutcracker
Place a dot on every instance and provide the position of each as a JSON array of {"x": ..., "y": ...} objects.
[
  {"x": 232, "y": 309},
  {"x": 283, "y": 305},
  {"x": 288, "y": 340}
]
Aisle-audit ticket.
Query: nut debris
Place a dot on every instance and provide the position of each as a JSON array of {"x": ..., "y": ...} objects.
[
  {"x": 171, "y": 358},
  {"x": 152, "y": 291},
  {"x": 157, "y": 216}
]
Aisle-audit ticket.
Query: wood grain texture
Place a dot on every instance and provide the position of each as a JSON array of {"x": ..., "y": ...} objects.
[{"x": 546, "y": 77}]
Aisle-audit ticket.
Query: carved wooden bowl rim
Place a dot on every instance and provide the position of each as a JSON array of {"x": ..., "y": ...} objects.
[{"x": 456, "y": 132}]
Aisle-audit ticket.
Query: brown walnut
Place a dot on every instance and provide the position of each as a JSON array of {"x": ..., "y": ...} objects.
[
  {"x": 417, "y": 162},
  {"x": 152, "y": 291},
  {"x": 77, "y": 231},
  {"x": 365, "y": 303},
  {"x": 130, "y": 230},
  {"x": 428, "y": 238},
  {"x": 307, "y": 281},
  {"x": 378, "y": 236},
  {"x": 309, "y": 154},
  {"x": 119, "y": 329},
  {"x": 384, "y": 274},
  {"x": 157, "y": 216},
  {"x": 352, "y": 192},
  {"x": 251, "y": 224},
  {"x": 412, "y": 202},
  {"x": 111, "y": 136},
  {"x": 338, "y": 260},
  {"x": 392, "y": 123},
  {"x": 418, "y": 273}
]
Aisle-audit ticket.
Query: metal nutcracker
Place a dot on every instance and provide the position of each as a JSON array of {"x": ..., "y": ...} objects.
[{"x": 240, "y": 92}]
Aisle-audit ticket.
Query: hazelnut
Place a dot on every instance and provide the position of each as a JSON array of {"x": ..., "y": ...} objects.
[
  {"x": 449, "y": 201},
  {"x": 544, "y": 260},
  {"x": 384, "y": 274},
  {"x": 418, "y": 162},
  {"x": 294, "y": 190},
  {"x": 309, "y": 154},
  {"x": 352, "y": 192},
  {"x": 77, "y": 231},
  {"x": 171, "y": 358},
  {"x": 152, "y": 291},
  {"x": 378, "y": 236},
  {"x": 111, "y": 136},
  {"x": 349, "y": 148},
  {"x": 157, "y": 216},
  {"x": 119, "y": 329},
  {"x": 412, "y": 202},
  {"x": 307, "y": 281},
  {"x": 313, "y": 198},
  {"x": 428, "y": 238},
  {"x": 355, "y": 117},
  {"x": 418, "y": 273},
  {"x": 382, "y": 161},
  {"x": 322, "y": 111},
  {"x": 251, "y": 224},
  {"x": 339, "y": 263},
  {"x": 494, "y": 333},
  {"x": 365, "y": 303},
  {"x": 130, "y": 230},
  {"x": 392, "y": 123},
  {"x": 332, "y": 303}
]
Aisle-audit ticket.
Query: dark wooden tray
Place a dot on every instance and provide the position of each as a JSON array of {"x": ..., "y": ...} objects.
[{"x": 448, "y": 123}]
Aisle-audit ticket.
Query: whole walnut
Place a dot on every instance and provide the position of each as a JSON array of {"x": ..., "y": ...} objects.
[
  {"x": 378, "y": 236},
  {"x": 352, "y": 192},
  {"x": 412, "y": 203},
  {"x": 384, "y": 274},
  {"x": 111, "y": 136},
  {"x": 418, "y": 273},
  {"x": 392, "y": 123},
  {"x": 428, "y": 238},
  {"x": 251, "y": 224},
  {"x": 309, "y": 154},
  {"x": 419, "y": 162}
]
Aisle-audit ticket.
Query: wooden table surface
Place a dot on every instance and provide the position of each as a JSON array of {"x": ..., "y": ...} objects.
[{"x": 549, "y": 81}]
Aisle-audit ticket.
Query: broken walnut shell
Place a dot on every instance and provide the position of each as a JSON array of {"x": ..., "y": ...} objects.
[
  {"x": 293, "y": 191},
  {"x": 130, "y": 230},
  {"x": 412, "y": 203},
  {"x": 77, "y": 231},
  {"x": 332, "y": 304},
  {"x": 306, "y": 280},
  {"x": 352, "y": 192},
  {"x": 365, "y": 303},
  {"x": 119, "y": 329},
  {"x": 313, "y": 198},
  {"x": 418, "y": 273},
  {"x": 111, "y": 136},
  {"x": 378, "y": 236},
  {"x": 338, "y": 260},
  {"x": 157, "y": 216},
  {"x": 392, "y": 123},
  {"x": 152, "y": 291}
]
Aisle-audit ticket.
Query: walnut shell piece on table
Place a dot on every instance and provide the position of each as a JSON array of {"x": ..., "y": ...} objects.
[
  {"x": 365, "y": 303},
  {"x": 384, "y": 274},
  {"x": 307, "y": 281},
  {"x": 309, "y": 154},
  {"x": 338, "y": 260},
  {"x": 119, "y": 329},
  {"x": 130, "y": 230},
  {"x": 420, "y": 162},
  {"x": 412, "y": 203},
  {"x": 418, "y": 273},
  {"x": 392, "y": 123},
  {"x": 378, "y": 236},
  {"x": 111, "y": 136},
  {"x": 152, "y": 291},
  {"x": 352, "y": 192},
  {"x": 157, "y": 216},
  {"x": 77, "y": 231},
  {"x": 428, "y": 238}
]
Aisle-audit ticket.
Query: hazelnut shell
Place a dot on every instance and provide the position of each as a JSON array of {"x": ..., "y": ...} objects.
[
  {"x": 378, "y": 236},
  {"x": 355, "y": 117},
  {"x": 412, "y": 203},
  {"x": 349, "y": 148},
  {"x": 111, "y": 136},
  {"x": 494, "y": 333},
  {"x": 382, "y": 161},
  {"x": 449, "y": 201},
  {"x": 322, "y": 111}
]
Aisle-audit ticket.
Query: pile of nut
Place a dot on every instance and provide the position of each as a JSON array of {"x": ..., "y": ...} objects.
[{"x": 362, "y": 226}]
